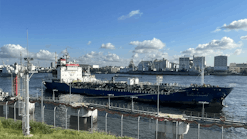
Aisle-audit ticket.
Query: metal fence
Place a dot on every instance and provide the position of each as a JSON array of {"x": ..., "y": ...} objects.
[{"x": 116, "y": 124}]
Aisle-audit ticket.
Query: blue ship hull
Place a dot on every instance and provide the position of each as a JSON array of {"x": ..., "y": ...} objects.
[{"x": 189, "y": 95}]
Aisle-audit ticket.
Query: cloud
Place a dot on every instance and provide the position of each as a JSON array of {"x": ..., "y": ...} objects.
[
  {"x": 243, "y": 37},
  {"x": 108, "y": 46},
  {"x": 157, "y": 55},
  {"x": 111, "y": 58},
  {"x": 135, "y": 55},
  {"x": 148, "y": 46},
  {"x": 236, "y": 25},
  {"x": 14, "y": 51},
  {"x": 216, "y": 30},
  {"x": 45, "y": 55},
  {"x": 89, "y": 42},
  {"x": 238, "y": 52},
  {"x": 102, "y": 59},
  {"x": 132, "y": 13},
  {"x": 213, "y": 47}
]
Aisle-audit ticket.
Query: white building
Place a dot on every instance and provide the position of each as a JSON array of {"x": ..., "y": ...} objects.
[
  {"x": 237, "y": 68},
  {"x": 173, "y": 66},
  {"x": 144, "y": 65},
  {"x": 95, "y": 66},
  {"x": 162, "y": 65},
  {"x": 199, "y": 62},
  {"x": 184, "y": 63},
  {"x": 220, "y": 63}
]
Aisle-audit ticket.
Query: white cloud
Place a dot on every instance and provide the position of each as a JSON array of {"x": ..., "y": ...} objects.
[
  {"x": 135, "y": 55},
  {"x": 89, "y": 42},
  {"x": 236, "y": 25},
  {"x": 132, "y": 13},
  {"x": 216, "y": 30},
  {"x": 14, "y": 51},
  {"x": 175, "y": 58},
  {"x": 243, "y": 37},
  {"x": 45, "y": 55},
  {"x": 157, "y": 55},
  {"x": 148, "y": 46},
  {"x": 212, "y": 48},
  {"x": 111, "y": 58},
  {"x": 108, "y": 46},
  {"x": 102, "y": 59},
  {"x": 238, "y": 52}
]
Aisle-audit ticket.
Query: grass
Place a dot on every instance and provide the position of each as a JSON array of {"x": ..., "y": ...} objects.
[{"x": 9, "y": 129}]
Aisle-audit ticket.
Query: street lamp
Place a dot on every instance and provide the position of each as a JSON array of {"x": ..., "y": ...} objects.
[
  {"x": 203, "y": 102},
  {"x": 53, "y": 97},
  {"x": 132, "y": 103},
  {"x": 109, "y": 101}
]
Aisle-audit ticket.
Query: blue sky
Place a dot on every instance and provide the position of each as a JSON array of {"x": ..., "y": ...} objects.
[{"x": 122, "y": 30}]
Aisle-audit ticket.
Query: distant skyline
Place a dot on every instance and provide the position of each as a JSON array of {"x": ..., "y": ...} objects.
[{"x": 114, "y": 32}]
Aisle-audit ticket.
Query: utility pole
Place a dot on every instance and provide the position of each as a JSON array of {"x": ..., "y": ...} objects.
[{"x": 27, "y": 78}]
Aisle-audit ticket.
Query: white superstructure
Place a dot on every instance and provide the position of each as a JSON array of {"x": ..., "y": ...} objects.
[{"x": 70, "y": 72}]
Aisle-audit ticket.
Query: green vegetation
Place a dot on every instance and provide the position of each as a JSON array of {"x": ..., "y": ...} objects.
[{"x": 13, "y": 130}]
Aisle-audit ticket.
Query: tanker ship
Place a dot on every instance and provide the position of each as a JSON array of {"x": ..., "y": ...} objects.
[{"x": 69, "y": 76}]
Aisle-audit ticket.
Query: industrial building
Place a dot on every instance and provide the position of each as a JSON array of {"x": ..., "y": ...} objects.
[
  {"x": 161, "y": 65},
  {"x": 220, "y": 63},
  {"x": 184, "y": 64},
  {"x": 199, "y": 62},
  {"x": 145, "y": 66}
]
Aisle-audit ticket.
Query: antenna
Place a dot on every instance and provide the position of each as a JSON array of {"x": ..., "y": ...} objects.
[{"x": 27, "y": 43}]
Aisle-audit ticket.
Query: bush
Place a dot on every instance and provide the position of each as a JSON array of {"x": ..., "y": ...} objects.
[
  {"x": 38, "y": 127},
  {"x": 10, "y": 123}
]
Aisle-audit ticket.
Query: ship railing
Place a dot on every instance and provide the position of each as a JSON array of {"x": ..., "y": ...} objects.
[
  {"x": 195, "y": 115},
  {"x": 120, "y": 107}
]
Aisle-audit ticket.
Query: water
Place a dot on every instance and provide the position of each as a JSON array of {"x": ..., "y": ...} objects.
[{"x": 236, "y": 106}]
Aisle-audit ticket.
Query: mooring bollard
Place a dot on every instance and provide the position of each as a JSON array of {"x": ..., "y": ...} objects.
[
  {"x": 198, "y": 131},
  {"x": 6, "y": 110},
  {"x": 106, "y": 122},
  {"x": 55, "y": 117},
  {"x": 66, "y": 118},
  {"x": 14, "y": 112},
  {"x": 121, "y": 125},
  {"x": 138, "y": 120},
  {"x": 78, "y": 120}
]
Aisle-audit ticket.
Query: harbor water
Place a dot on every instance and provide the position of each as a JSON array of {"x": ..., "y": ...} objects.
[{"x": 236, "y": 105}]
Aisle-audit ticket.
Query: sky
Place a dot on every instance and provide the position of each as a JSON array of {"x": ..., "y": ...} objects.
[{"x": 114, "y": 32}]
